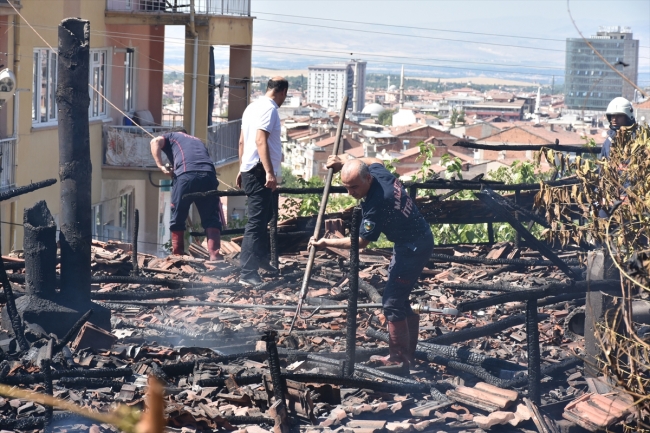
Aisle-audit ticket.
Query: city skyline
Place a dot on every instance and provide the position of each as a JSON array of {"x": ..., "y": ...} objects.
[{"x": 470, "y": 39}]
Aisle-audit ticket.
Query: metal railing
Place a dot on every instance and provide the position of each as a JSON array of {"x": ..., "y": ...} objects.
[
  {"x": 223, "y": 141},
  {"x": 201, "y": 7},
  {"x": 128, "y": 146},
  {"x": 7, "y": 163}
]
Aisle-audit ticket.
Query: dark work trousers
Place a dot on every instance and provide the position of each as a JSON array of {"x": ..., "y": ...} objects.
[
  {"x": 255, "y": 246},
  {"x": 208, "y": 207},
  {"x": 403, "y": 272}
]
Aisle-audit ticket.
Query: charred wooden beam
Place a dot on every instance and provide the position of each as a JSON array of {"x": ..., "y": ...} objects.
[
  {"x": 400, "y": 388},
  {"x": 75, "y": 168},
  {"x": 279, "y": 384},
  {"x": 15, "y": 192},
  {"x": 536, "y": 147},
  {"x": 549, "y": 290},
  {"x": 486, "y": 261},
  {"x": 481, "y": 331},
  {"x": 489, "y": 199},
  {"x": 72, "y": 333},
  {"x": 532, "y": 339}
]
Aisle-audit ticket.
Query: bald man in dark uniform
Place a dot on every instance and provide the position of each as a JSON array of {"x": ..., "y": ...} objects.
[{"x": 388, "y": 209}]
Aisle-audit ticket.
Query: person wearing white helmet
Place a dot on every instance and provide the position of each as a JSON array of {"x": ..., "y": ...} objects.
[{"x": 619, "y": 114}]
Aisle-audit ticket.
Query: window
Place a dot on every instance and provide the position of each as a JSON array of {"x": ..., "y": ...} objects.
[
  {"x": 44, "y": 91},
  {"x": 97, "y": 79},
  {"x": 129, "y": 79}
]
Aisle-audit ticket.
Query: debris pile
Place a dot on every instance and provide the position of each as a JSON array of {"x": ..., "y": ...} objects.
[{"x": 213, "y": 344}]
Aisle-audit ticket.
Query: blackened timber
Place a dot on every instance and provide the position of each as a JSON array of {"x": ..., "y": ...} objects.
[
  {"x": 15, "y": 192},
  {"x": 481, "y": 331},
  {"x": 535, "y": 147},
  {"x": 40, "y": 251},
  {"x": 486, "y": 261},
  {"x": 532, "y": 340},
  {"x": 158, "y": 294},
  {"x": 351, "y": 317},
  {"x": 72, "y": 332},
  {"x": 489, "y": 199},
  {"x": 359, "y": 383},
  {"x": 369, "y": 290},
  {"x": 75, "y": 168},
  {"x": 432, "y": 184},
  {"x": 452, "y": 353},
  {"x": 279, "y": 384},
  {"x": 542, "y": 292},
  {"x": 49, "y": 388}
]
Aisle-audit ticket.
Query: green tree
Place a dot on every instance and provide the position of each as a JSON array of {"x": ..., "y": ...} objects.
[
  {"x": 386, "y": 117},
  {"x": 454, "y": 117},
  {"x": 461, "y": 117}
]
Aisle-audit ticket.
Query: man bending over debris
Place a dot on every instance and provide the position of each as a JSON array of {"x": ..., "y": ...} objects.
[
  {"x": 388, "y": 209},
  {"x": 192, "y": 170}
]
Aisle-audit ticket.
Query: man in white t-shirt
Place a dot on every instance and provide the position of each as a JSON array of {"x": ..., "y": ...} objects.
[{"x": 260, "y": 155}]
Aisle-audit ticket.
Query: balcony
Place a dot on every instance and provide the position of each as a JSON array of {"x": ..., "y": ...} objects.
[
  {"x": 7, "y": 163},
  {"x": 223, "y": 142},
  {"x": 128, "y": 146},
  {"x": 173, "y": 8}
]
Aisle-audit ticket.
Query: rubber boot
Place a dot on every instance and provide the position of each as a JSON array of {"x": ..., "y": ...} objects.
[
  {"x": 178, "y": 243},
  {"x": 414, "y": 332},
  {"x": 398, "y": 346},
  {"x": 214, "y": 244}
]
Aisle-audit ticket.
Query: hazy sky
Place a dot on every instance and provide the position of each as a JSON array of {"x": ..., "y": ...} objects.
[{"x": 518, "y": 39}]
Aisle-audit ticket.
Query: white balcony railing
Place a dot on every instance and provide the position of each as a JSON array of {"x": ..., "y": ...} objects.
[
  {"x": 128, "y": 146},
  {"x": 7, "y": 163},
  {"x": 223, "y": 141},
  {"x": 201, "y": 7}
]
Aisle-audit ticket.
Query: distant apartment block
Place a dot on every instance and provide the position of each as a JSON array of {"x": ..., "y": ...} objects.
[
  {"x": 328, "y": 84},
  {"x": 589, "y": 83}
]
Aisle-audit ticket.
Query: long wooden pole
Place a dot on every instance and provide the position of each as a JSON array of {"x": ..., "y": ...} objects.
[{"x": 321, "y": 213}]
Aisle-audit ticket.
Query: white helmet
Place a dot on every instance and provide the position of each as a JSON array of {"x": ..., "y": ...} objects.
[{"x": 620, "y": 106}]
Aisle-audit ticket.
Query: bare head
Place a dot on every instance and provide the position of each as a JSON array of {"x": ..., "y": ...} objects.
[
  {"x": 276, "y": 89},
  {"x": 356, "y": 178}
]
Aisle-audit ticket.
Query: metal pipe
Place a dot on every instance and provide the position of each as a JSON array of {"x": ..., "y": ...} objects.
[
  {"x": 273, "y": 232},
  {"x": 353, "y": 276},
  {"x": 134, "y": 241},
  {"x": 195, "y": 65},
  {"x": 532, "y": 337}
]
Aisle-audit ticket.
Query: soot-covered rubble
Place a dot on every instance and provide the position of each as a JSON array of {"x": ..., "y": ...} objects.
[{"x": 191, "y": 325}]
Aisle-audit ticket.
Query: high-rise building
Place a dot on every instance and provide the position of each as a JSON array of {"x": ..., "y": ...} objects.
[
  {"x": 589, "y": 83},
  {"x": 328, "y": 84}
]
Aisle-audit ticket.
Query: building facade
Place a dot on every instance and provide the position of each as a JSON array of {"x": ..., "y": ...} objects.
[
  {"x": 328, "y": 84},
  {"x": 126, "y": 71},
  {"x": 589, "y": 83}
]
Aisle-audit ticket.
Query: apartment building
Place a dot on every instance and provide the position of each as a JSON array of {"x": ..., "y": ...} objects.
[
  {"x": 329, "y": 84},
  {"x": 589, "y": 83},
  {"x": 126, "y": 68}
]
